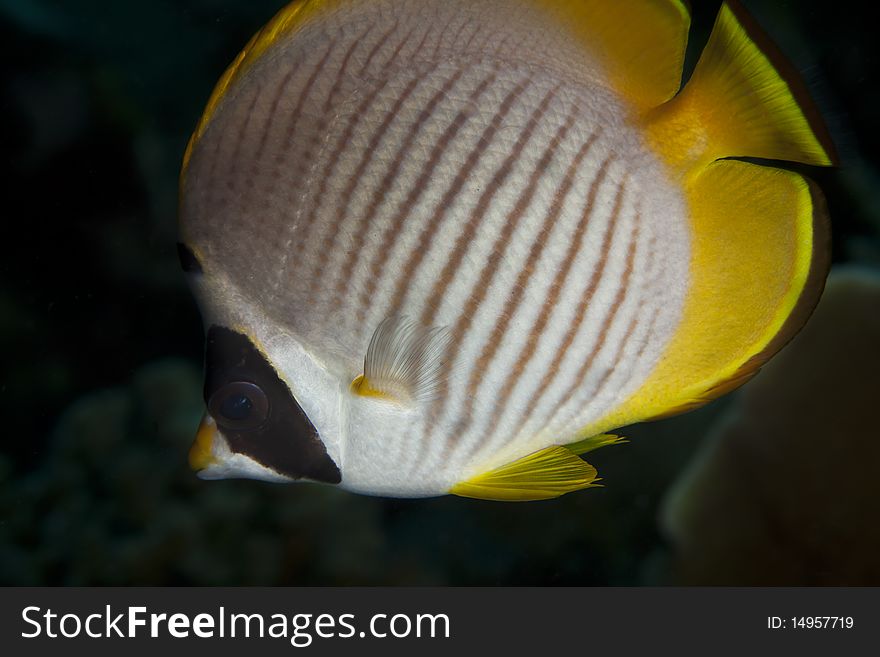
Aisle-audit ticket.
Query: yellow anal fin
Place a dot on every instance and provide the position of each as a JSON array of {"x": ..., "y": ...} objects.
[
  {"x": 543, "y": 475},
  {"x": 743, "y": 100},
  {"x": 288, "y": 19},
  {"x": 594, "y": 442},
  {"x": 760, "y": 255},
  {"x": 640, "y": 44}
]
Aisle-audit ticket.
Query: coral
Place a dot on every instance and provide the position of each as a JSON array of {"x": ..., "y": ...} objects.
[
  {"x": 785, "y": 490},
  {"x": 112, "y": 502}
]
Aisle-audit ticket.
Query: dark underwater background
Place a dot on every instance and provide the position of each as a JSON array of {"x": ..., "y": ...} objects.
[{"x": 100, "y": 382}]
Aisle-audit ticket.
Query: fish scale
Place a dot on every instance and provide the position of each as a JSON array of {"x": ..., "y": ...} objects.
[{"x": 512, "y": 183}]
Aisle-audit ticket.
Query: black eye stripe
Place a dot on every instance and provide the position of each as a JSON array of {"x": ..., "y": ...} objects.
[
  {"x": 188, "y": 260},
  {"x": 286, "y": 440}
]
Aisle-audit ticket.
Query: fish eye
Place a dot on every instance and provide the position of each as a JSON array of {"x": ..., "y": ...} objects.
[{"x": 239, "y": 405}]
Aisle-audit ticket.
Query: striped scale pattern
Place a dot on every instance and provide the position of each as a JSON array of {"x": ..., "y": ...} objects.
[{"x": 427, "y": 159}]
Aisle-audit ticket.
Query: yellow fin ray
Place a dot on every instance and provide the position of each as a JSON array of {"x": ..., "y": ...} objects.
[
  {"x": 543, "y": 475},
  {"x": 640, "y": 44},
  {"x": 760, "y": 254},
  {"x": 594, "y": 442},
  {"x": 737, "y": 104}
]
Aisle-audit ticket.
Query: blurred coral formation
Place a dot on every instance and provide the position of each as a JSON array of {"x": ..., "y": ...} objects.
[
  {"x": 101, "y": 374},
  {"x": 114, "y": 503},
  {"x": 785, "y": 491},
  {"x": 115, "y": 506}
]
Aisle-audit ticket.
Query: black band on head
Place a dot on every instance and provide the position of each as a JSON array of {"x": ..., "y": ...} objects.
[
  {"x": 285, "y": 441},
  {"x": 188, "y": 261}
]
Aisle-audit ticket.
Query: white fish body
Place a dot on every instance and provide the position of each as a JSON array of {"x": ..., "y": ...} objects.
[{"x": 467, "y": 168}]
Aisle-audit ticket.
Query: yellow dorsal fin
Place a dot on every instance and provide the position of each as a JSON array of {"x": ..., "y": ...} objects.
[
  {"x": 743, "y": 100},
  {"x": 760, "y": 254},
  {"x": 640, "y": 44},
  {"x": 290, "y": 18},
  {"x": 543, "y": 475}
]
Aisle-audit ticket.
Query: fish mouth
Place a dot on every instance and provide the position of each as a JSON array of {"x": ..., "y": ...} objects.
[
  {"x": 201, "y": 454},
  {"x": 211, "y": 458}
]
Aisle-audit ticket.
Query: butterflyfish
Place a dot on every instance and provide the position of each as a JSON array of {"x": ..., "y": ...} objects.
[{"x": 449, "y": 246}]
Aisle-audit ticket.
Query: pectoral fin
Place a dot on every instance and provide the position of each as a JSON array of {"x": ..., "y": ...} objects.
[{"x": 405, "y": 362}]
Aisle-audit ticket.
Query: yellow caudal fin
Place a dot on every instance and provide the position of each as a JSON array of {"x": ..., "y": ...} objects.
[
  {"x": 640, "y": 44},
  {"x": 546, "y": 474},
  {"x": 760, "y": 254},
  {"x": 743, "y": 100},
  {"x": 290, "y": 18}
]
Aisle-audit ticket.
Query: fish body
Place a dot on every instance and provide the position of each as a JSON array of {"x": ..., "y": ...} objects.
[{"x": 446, "y": 245}]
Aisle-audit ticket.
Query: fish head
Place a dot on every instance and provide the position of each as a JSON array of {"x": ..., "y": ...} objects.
[{"x": 271, "y": 412}]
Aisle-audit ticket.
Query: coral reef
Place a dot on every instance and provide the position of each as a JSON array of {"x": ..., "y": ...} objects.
[
  {"x": 785, "y": 490},
  {"x": 113, "y": 502},
  {"x": 94, "y": 487}
]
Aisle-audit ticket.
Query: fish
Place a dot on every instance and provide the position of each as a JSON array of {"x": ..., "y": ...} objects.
[{"x": 451, "y": 246}]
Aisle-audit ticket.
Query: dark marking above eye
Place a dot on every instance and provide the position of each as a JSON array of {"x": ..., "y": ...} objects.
[
  {"x": 188, "y": 260},
  {"x": 257, "y": 412}
]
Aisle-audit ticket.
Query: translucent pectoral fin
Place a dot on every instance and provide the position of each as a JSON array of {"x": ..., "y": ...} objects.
[{"x": 405, "y": 362}]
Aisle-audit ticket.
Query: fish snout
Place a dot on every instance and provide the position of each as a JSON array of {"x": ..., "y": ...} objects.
[{"x": 202, "y": 454}]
